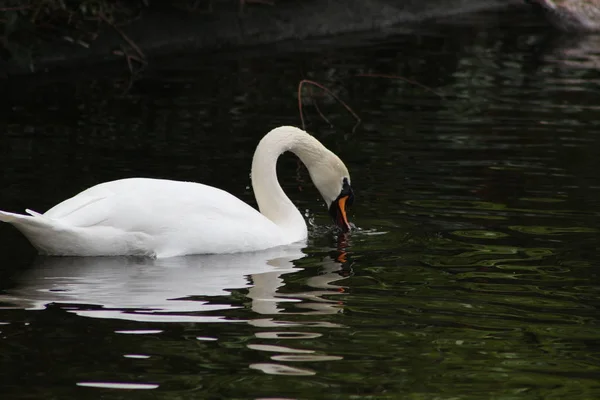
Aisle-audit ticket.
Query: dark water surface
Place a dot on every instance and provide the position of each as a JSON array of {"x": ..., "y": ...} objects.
[{"x": 473, "y": 274}]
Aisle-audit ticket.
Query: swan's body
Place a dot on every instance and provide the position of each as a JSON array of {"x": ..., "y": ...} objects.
[{"x": 163, "y": 218}]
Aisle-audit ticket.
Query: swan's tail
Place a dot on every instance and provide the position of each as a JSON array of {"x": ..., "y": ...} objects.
[
  {"x": 54, "y": 237},
  {"x": 34, "y": 226},
  {"x": 20, "y": 220},
  {"x": 31, "y": 221}
]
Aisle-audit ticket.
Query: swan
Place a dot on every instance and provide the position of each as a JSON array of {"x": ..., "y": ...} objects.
[{"x": 165, "y": 218}]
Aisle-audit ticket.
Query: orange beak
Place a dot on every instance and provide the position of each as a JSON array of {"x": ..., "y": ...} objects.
[{"x": 341, "y": 217}]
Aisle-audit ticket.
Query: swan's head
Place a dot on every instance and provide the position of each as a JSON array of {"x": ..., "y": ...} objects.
[{"x": 332, "y": 179}]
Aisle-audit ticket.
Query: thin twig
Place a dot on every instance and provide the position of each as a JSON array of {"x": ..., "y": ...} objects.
[
  {"x": 128, "y": 57},
  {"x": 342, "y": 102},
  {"x": 316, "y": 105},
  {"x": 125, "y": 37}
]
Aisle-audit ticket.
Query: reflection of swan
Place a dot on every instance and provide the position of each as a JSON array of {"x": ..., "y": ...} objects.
[
  {"x": 162, "y": 218},
  {"x": 267, "y": 301},
  {"x": 145, "y": 289},
  {"x": 331, "y": 270},
  {"x": 581, "y": 52},
  {"x": 571, "y": 15}
]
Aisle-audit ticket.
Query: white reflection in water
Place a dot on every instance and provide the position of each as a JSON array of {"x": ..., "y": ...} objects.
[
  {"x": 115, "y": 385},
  {"x": 279, "y": 369},
  {"x": 575, "y": 52},
  {"x": 140, "y": 356},
  {"x": 278, "y": 349},
  {"x": 175, "y": 290},
  {"x": 314, "y": 302},
  {"x": 287, "y": 335},
  {"x": 268, "y": 302},
  {"x": 172, "y": 289},
  {"x": 305, "y": 358},
  {"x": 155, "y": 290}
]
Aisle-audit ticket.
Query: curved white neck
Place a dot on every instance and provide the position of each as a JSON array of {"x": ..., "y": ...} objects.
[{"x": 272, "y": 201}]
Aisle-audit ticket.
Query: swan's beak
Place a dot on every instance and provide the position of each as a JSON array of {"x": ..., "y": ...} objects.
[
  {"x": 339, "y": 207},
  {"x": 342, "y": 217},
  {"x": 337, "y": 210}
]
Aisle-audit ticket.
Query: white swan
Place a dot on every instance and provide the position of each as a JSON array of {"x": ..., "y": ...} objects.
[{"x": 163, "y": 218}]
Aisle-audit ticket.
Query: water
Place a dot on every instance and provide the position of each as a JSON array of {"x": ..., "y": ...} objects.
[{"x": 473, "y": 272}]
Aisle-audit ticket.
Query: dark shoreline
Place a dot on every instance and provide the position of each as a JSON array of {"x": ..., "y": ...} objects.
[{"x": 162, "y": 32}]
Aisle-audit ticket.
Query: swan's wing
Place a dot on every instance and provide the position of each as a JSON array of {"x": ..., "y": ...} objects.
[
  {"x": 79, "y": 210},
  {"x": 165, "y": 218},
  {"x": 154, "y": 206}
]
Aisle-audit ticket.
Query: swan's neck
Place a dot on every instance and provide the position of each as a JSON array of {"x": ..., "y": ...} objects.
[{"x": 272, "y": 201}]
